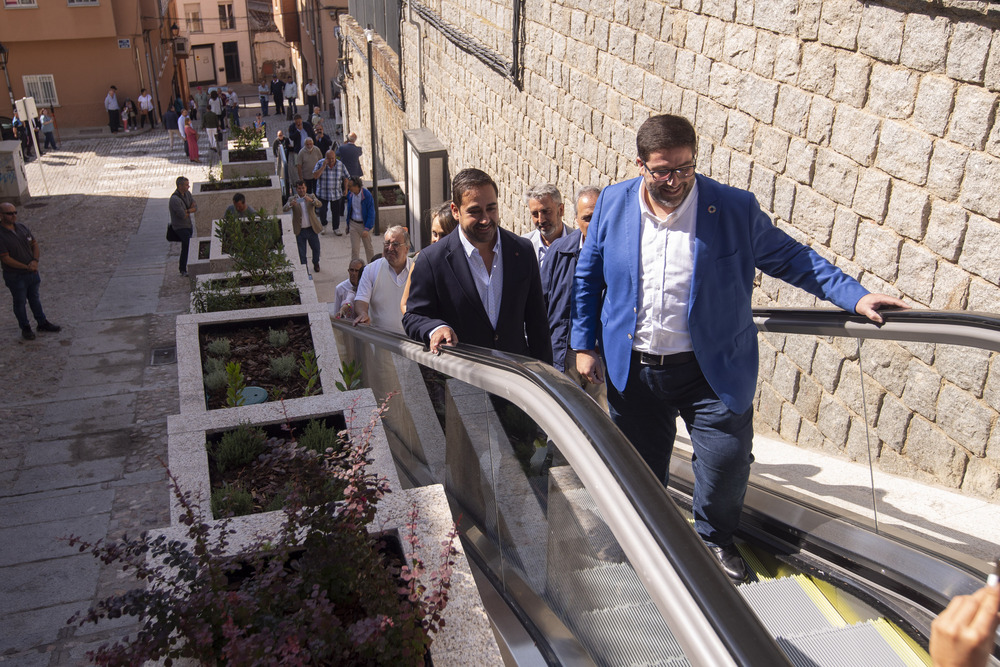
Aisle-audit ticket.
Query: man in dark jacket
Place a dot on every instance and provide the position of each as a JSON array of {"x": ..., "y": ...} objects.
[
  {"x": 558, "y": 270},
  {"x": 298, "y": 132},
  {"x": 278, "y": 94},
  {"x": 479, "y": 285}
]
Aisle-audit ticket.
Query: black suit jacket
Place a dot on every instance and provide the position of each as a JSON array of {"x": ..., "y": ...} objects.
[
  {"x": 292, "y": 134},
  {"x": 442, "y": 291}
]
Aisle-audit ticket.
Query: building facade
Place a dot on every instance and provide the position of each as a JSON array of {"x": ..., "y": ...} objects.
[
  {"x": 67, "y": 54},
  {"x": 220, "y": 37},
  {"x": 311, "y": 27}
]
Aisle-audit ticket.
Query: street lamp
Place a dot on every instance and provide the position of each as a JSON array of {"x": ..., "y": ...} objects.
[
  {"x": 4, "y": 53},
  {"x": 175, "y": 30},
  {"x": 370, "y": 37}
]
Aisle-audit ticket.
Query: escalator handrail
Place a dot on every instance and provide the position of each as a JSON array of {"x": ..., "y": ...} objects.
[
  {"x": 710, "y": 619},
  {"x": 973, "y": 329}
]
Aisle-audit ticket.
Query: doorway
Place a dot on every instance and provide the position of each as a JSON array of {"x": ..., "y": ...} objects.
[
  {"x": 231, "y": 58},
  {"x": 204, "y": 64}
]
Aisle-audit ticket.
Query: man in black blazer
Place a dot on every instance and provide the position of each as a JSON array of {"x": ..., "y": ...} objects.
[
  {"x": 298, "y": 132},
  {"x": 453, "y": 294}
]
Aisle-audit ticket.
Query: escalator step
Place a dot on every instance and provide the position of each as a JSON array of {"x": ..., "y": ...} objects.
[
  {"x": 632, "y": 635},
  {"x": 840, "y": 647},
  {"x": 784, "y": 607},
  {"x": 608, "y": 585}
]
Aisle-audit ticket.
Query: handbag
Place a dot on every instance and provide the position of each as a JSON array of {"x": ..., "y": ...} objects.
[{"x": 172, "y": 235}]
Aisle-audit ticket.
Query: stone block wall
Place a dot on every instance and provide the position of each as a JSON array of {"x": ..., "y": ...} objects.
[{"x": 868, "y": 130}]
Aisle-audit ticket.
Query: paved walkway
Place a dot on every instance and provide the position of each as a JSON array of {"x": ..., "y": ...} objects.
[{"x": 85, "y": 410}]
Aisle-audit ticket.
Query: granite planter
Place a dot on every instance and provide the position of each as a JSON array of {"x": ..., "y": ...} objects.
[
  {"x": 301, "y": 284},
  {"x": 392, "y": 211},
  {"x": 189, "y": 367},
  {"x": 212, "y": 204},
  {"x": 231, "y": 169}
]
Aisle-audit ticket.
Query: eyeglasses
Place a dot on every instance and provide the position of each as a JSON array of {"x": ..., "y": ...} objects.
[
  {"x": 392, "y": 244},
  {"x": 9, "y": 212},
  {"x": 665, "y": 174}
]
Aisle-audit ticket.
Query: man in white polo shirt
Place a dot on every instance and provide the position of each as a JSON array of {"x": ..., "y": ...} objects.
[{"x": 382, "y": 283}]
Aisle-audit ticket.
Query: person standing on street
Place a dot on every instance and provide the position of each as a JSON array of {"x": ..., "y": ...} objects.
[
  {"x": 350, "y": 154},
  {"x": 181, "y": 207},
  {"x": 19, "y": 254},
  {"x": 291, "y": 94},
  {"x": 48, "y": 129},
  {"x": 330, "y": 178},
  {"x": 305, "y": 224},
  {"x": 278, "y": 95},
  {"x": 312, "y": 95},
  {"x": 146, "y": 109},
  {"x": 262, "y": 92},
  {"x": 114, "y": 111}
]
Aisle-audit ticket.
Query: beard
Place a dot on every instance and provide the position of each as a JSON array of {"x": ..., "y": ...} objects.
[{"x": 669, "y": 196}]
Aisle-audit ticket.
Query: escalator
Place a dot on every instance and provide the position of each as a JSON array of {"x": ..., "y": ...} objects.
[{"x": 581, "y": 555}]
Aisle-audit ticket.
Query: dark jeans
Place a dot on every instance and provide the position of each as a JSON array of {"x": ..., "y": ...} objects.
[
  {"x": 263, "y": 105},
  {"x": 279, "y": 104},
  {"x": 310, "y": 185},
  {"x": 185, "y": 235},
  {"x": 50, "y": 140},
  {"x": 334, "y": 206},
  {"x": 307, "y": 235},
  {"x": 24, "y": 288},
  {"x": 292, "y": 105},
  {"x": 312, "y": 101},
  {"x": 114, "y": 119},
  {"x": 646, "y": 412}
]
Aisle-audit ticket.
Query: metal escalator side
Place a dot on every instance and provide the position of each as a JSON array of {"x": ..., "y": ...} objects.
[{"x": 560, "y": 507}]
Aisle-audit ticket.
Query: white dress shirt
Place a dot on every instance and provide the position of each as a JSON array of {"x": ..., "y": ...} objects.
[
  {"x": 666, "y": 264},
  {"x": 343, "y": 294},
  {"x": 489, "y": 284},
  {"x": 535, "y": 236}
]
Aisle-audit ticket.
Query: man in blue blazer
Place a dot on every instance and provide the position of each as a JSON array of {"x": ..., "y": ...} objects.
[
  {"x": 663, "y": 288},
  {"x": 480, "y": 284}
]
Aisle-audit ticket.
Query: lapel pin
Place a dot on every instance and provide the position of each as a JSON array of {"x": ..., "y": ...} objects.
[{"x": 711, "y": 209}]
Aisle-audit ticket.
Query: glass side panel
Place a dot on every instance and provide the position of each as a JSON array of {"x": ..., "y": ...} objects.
[
  {"x": 811, "y": 439},
  {"x": 539, "y": 533},
  {"x": 935, "y": 453}
]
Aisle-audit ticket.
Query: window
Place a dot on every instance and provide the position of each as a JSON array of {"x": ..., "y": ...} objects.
[
  {"x": 10, "y": 4},
  {"x": 82, "y": 3},
  {"x": 192, "y": 13},
  {"x": 43, "y": 88},
  {"x": 227, "y": 20}
]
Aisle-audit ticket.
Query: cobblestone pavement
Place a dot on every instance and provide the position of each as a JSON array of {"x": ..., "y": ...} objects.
[{"x": 85, "y": 412}]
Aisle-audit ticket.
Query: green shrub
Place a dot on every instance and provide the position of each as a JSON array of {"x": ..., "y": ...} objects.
[
  {"x": 238, "y": 447},
  {"x": 213, "y": 364},
  {"x": 283, "y": 367},
  {"x": 219, "y": 348},
  {"x": 277, "y": 337},
  {"x": 235, "y": 384},
  {"x": 231, "y": 501},
  {"x": 317, "y": 436},
  {"x": 216, "y": 380}
]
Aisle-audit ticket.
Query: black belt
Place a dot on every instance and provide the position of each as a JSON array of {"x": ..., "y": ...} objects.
[{"x": 647, "y": 359}]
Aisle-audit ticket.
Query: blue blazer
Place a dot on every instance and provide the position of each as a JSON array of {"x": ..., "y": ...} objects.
[
  {"x": 733, "y": 238},
  {"x": 367, "y": 209},
  {"x": 557, "y": 284},
  {"x": 442, "y": 291}
]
